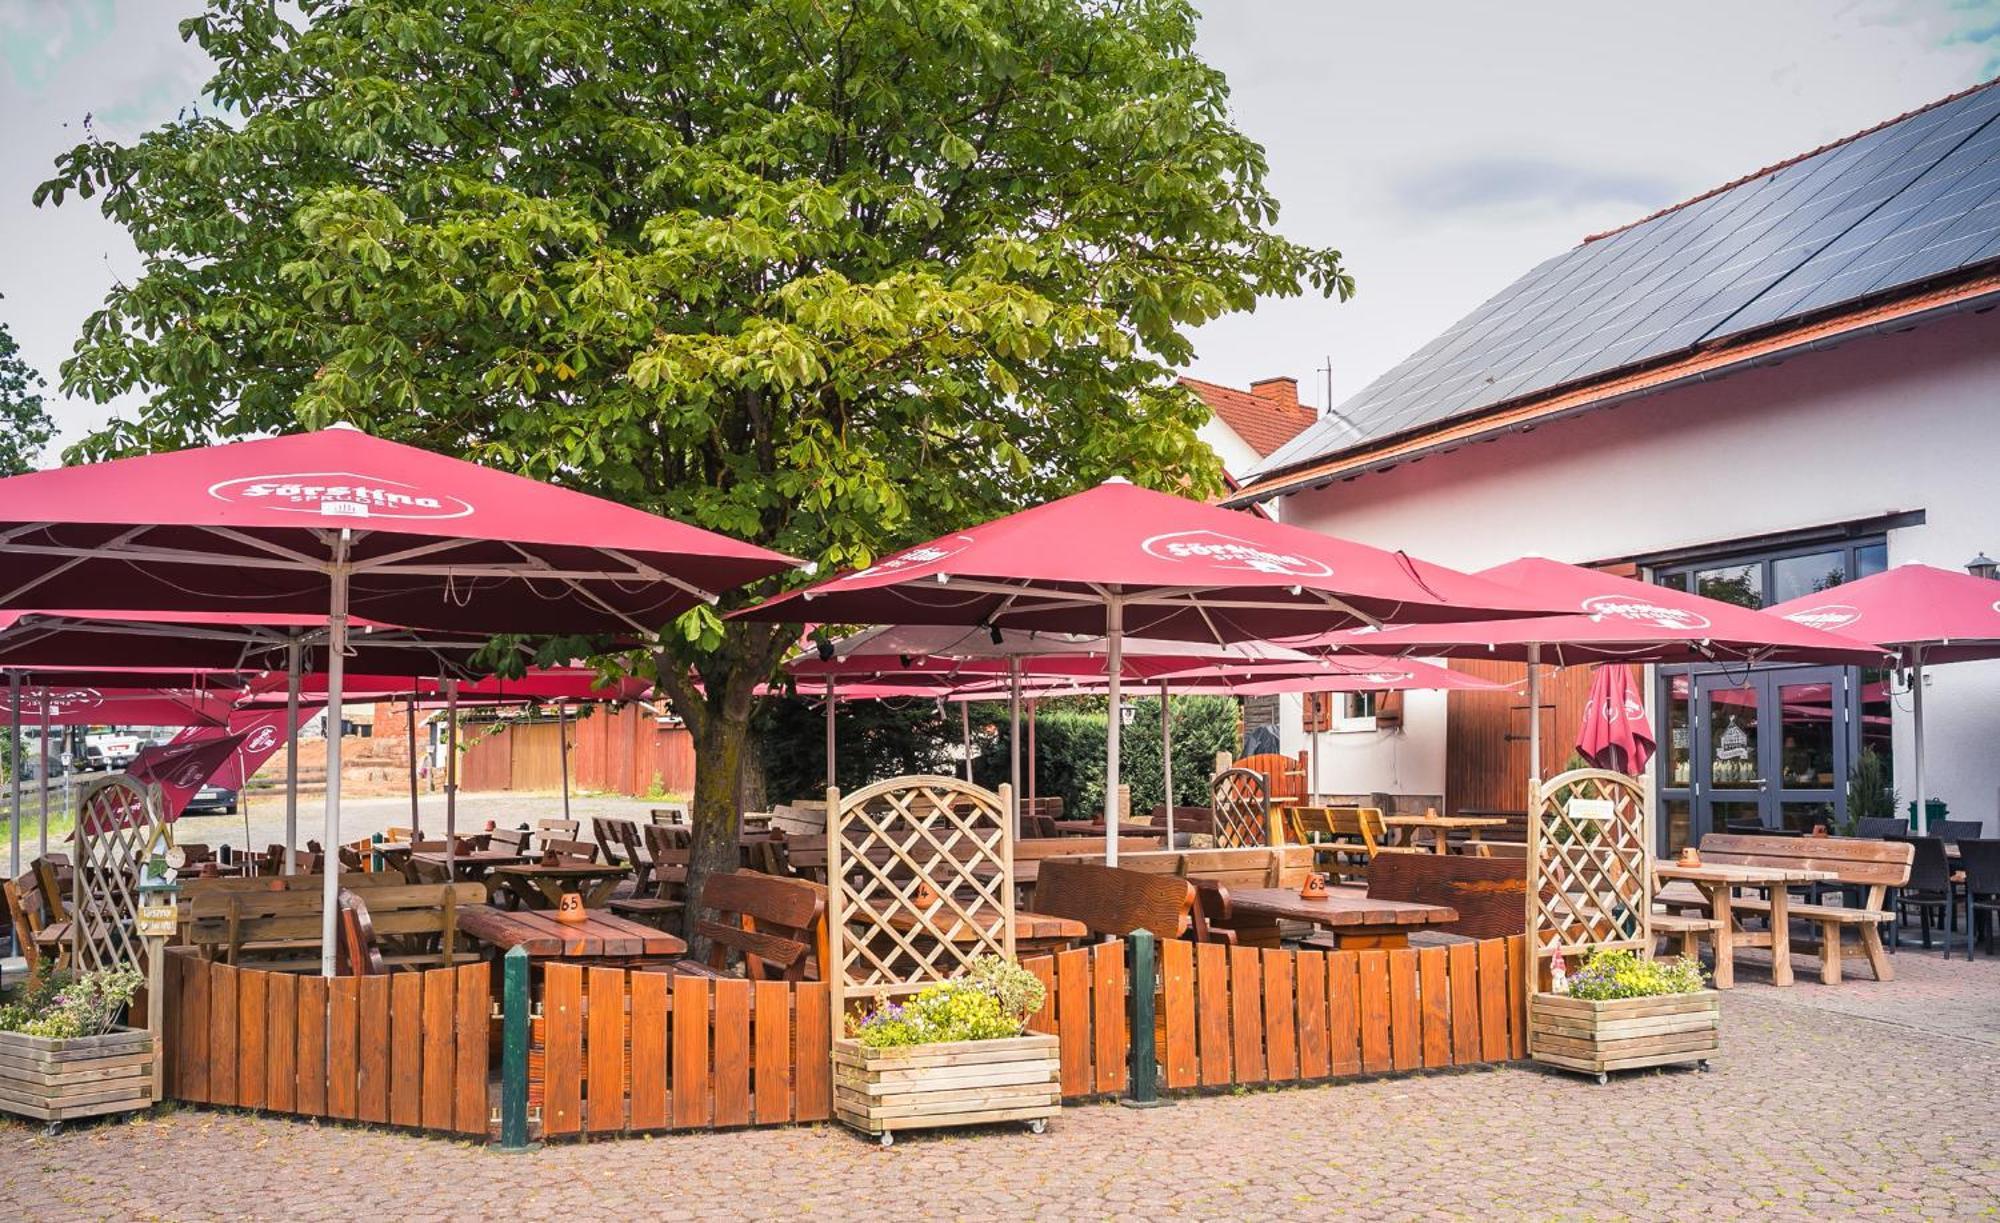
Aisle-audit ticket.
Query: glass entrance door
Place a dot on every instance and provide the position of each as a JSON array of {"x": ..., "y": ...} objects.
[
  {"x": 1729, "y": 781},
  {"x": 1769, "y": 748}
]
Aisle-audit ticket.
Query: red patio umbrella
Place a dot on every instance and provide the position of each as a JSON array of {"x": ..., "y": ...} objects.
[
  {"x": 181, "y": 769},
  {"x": 1615, "y": 733},
  {"x": 1118, "y": 560},
  {"x": 341, "y": 522},
  {"x": 1614, "y": 619},
  {"x": 1923, "y": 614}
]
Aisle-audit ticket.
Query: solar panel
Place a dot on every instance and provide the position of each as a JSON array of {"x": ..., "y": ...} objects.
[{"x": 1910, "y": 201}]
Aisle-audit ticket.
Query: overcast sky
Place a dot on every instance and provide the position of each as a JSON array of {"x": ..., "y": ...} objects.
[{"x": 1444, "y": 147}]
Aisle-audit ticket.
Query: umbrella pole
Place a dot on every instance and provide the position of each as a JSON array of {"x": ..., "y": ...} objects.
[
  {"x": 1014, "y": 741},
  {"x": 336, "y": 674},
  {"x": 1031, "y": 752},
  {"x": 1917, "y": 714},
  {"x": 1114, "y": 663},
  {"x": 42, "y": 841},
  {"x": 1534, "y": 731},
  {"x": 14, "y": 772},
  {"x": 292, "y": 662},
  {"x": 1167, "y": 757},
  {"x": 451, "y": 779},
  {"x": 410, "y": 733},
  {"x": 965, "y": 734},
  {"x": 830, "y": 689},
  {"x": 562, "y": 736}
]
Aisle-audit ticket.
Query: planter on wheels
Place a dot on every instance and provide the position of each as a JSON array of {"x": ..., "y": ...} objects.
[
  {"x": 974, "y": 1082},
  {"x": 54, "y": 1081},
  {"x": 1623, "y": 1033}
]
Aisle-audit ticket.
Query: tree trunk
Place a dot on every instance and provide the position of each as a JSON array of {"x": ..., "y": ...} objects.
[{"x": 720, "y": 746}]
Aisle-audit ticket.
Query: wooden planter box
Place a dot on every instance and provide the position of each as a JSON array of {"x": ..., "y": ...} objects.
[
  {"x": 1624, "y": 1033},
  {"x": 974, "y": 1082},
  {"x": 88, "y": 1076}
]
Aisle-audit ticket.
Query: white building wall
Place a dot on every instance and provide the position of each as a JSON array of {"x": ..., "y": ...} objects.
[
  {"x": 1895, "y": 422},
  {"x": 1236, "y": 455}
]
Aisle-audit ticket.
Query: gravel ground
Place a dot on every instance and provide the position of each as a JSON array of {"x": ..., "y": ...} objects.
[{"x": 1863, "y": 1099}]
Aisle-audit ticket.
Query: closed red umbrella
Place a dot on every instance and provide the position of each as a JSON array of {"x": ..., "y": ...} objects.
[
  {"x": 1616, "y": 734},
  {"x": 1924, "y": 614},
  {"x": 180, "y": 770}
]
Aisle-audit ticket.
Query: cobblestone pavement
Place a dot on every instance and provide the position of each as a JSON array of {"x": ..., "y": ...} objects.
[{"x": 1828, "y": 1102}]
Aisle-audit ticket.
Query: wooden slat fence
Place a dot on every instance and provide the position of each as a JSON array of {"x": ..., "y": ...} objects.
[
  {"x": 1243, "y": 1015},
  {"x": 616, "y": 1051},
  {"x": 411, "y": 1049}
]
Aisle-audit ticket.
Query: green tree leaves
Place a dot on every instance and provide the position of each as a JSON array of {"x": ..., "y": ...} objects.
[{"x": 25, "y": 426}]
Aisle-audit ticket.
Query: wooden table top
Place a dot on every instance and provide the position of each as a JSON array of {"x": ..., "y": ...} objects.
[
  {"x": 481, "y": 857},
  {"x": 1341, "y": 906},
  {"x": 1027, "y": 925},
  {"x": 1748, "y": 876},
  {"x": 1086, "y": 828},
  {"x": 600, "y": 935},
  {"x": 1443, "y": 821}
]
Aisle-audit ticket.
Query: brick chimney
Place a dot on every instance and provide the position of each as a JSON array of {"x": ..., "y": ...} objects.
[{"x": 1277, "y": 390}]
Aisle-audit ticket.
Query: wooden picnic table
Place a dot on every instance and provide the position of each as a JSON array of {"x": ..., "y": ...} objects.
[
  {"x": 538, "y": 886},
  {"x": 1441, "y": 825},
  {"x": 1716, "y": 881},
  {"x": 1356, "y": 919},
  {"x": 604, "y": 938},
  {"x": 474, "y": 865}
]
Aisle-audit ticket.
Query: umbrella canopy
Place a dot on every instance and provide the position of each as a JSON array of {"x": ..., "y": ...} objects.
[
  {"x": 182, "y": 769},
  {"x": 259, "y": 733},
  {"x": 1119, "y": 560},
  {"x": 85, "y": 704},
  {"x": 539, "y": 684},
  {"x": 1615, "y": 733},
  {"x": 1911, "y": 609},
  {"x": 1924, "y": 614},
  {"x": 1174, "y": 568},
  {"x": 430, "y": 540},
  {"x": 1615, "y": 620},
  {"x": 226, "y": 641}
]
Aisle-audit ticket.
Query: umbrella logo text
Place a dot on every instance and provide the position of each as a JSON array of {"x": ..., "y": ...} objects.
[
  {"x": 916, "y": 558},
  {"x": 1228, "y": 552},
  {"x": 262, "y": 739},
  {"x": 189, "y": 777},
  {"x": 335, "y": 494},
  {"x": 1827, "y": 617},
  {"x": 1639, "y": 611},
  {"x": 60, "y": 701}
]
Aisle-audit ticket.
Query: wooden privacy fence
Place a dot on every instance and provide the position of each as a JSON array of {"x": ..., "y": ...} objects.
[
  {"x": 1242, "y": 1015},
  {"x": 409, "y": 1049},
  {"x": 617, "y": 1051}
]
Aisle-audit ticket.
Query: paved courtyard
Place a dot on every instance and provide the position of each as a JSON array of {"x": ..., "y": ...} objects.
[{"x": 1858, "y": 1100}]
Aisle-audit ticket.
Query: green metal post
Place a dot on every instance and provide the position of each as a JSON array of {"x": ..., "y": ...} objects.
[
  {"x": 514, "y": 1052},
  {"x": 1142, "y": 1079}
]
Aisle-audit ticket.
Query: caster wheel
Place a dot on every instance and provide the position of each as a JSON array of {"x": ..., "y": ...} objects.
[
  {"x": 888, "y": 1139},
  {"x": 1038, "y": 1126},
  {"x": 1702, "y": 1065},
  {"x": 52, "y": 1129},
  {"x": 1602, "y": 1078}
]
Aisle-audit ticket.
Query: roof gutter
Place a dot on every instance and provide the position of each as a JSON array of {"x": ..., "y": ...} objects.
[{"x": 1698, "y": 367}]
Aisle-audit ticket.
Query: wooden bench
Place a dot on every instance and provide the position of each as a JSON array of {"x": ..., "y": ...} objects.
[
  {"x": 658, "y": 896},
  {"x": 39, "y": 925},
  {"x": 1348, "y": 838},
  {"x": 1112, "y": 903},
  {"x": 1490, "y": 894},
  {"x": 776, "y": 926},
  {"x": 1874, "y": 866},
  {"x": 279, "y": 929}
]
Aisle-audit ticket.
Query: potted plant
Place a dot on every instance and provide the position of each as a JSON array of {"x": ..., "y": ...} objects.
[
  {"x": 958, "y": 1053},
  {"x": 1622, "y": 1012},
  {"x": 62, "y": 1052}
]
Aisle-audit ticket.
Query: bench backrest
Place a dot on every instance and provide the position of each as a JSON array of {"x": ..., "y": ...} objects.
[
  {"x": 1257, "y": 866},
  {"x": 571, "y": 849},
  {"x": 777, "y": 925},
  {"x": 1352, "y": 825},
  {"x": 1855, "y": 860},
  {"x": 1490, "y": 894},
  {"x": 289, "y": 920},
  {"x": 1284, "y": 776},
  {"x": 27, "y": 912},
  {"x": 1113, "y": 903}
]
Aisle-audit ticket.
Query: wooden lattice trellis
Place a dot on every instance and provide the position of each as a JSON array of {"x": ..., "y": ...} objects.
[
  {"x": 920, "y": 879},
  {"x": 1590, "y": 868},
  {"x": 119, "y": 823},
  {"x": 1241, "y": 801}
]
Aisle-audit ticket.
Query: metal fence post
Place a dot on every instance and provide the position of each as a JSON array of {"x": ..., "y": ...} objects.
[
  {"x": 514, "y": 1053},
  {"x": 1142, "y": 1079}
]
